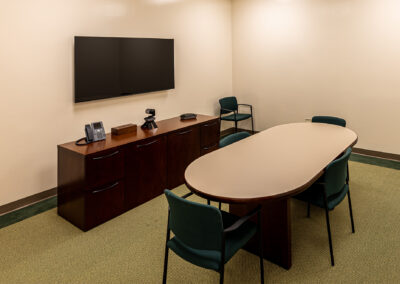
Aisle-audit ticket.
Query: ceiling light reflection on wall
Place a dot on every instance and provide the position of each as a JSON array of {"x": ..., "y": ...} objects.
[
  {"x": 281, "y": 23},
  {"x": 163, "y": 2},
  {"x": 284, "y": 1},
  {"x": 113, "y": 9}
]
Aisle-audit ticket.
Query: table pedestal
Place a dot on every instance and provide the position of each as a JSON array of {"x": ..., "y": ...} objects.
[{"x": 276, "y": 226}]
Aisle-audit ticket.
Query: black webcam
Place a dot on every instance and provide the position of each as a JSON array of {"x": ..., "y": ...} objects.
[
  {"x": 151, "y": 111},
  {"x": 150, "y": 120}
]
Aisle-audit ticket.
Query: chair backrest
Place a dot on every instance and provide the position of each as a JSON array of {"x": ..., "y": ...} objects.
[
  {"x": 228, "y": 103},
  {"x": 232, "y": 138},
  {"x": 336, "y": 173},
  {"x": 197, "y": 225},
  {"x": 330, "y": 120}
]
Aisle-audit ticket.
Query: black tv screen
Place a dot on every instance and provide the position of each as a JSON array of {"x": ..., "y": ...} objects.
[{"x": 110, "y": 67}]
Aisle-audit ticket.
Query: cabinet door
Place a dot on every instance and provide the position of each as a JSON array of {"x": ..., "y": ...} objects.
[
  {"x": 104, "y": 167},
  {"x": 103, "y": 203},
  {"x": 183, "y": 148},
  {"x": 209, "y": 137},
  {"x": 146, "y": 171},
  {"x": 206, "y": 150}
]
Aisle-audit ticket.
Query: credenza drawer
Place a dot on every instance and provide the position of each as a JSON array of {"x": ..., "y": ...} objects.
[
  {"x": 103, "y": 203},
  {"x": 209, "y": 134},
  {"x": 105, "y": 167},
  {"x": 206, "y": 150}
]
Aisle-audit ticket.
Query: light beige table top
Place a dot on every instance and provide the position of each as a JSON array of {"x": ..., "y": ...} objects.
[{"x": 277, "y": 162}]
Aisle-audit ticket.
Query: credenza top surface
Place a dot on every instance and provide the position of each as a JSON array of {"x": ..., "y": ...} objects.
[{"x": 112, "y": 141}]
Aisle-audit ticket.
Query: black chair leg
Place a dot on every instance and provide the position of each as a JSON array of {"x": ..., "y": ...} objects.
[
  {"x": 260, "y": 246},
  {"x": 219, "y": 205},
  {"x": 236, "y": 126},
  {"x": 166, "y": 257},
  {"x": 208, "y": 201},
  {"x": 222, "y": 263},
  {"x": 252, "y": 125},
  {"x": 348, "y": 176},
  {"x": 308, "y": 209},
  {"x": 329, "y": 232},
  {"x": 351, "y": 212},
  {"x": 165, "y": 266}
]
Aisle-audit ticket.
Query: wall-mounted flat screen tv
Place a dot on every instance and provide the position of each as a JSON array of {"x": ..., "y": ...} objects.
[{"x": 108, "y": 67}]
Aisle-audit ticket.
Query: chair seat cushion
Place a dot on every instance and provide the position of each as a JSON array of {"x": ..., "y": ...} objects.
[
  {"x": 315, "y": 195},
  {"x": 211, "y": 258},
  {"x": 239, "y": 117}
]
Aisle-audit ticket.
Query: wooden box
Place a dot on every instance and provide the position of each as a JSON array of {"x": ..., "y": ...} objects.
[{"x": 124, "y": 129}]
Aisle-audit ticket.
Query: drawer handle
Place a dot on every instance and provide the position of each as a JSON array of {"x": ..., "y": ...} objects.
[
  {"x": 206, "y": 148},
  {"x": 181, "y": 133},
  {"x": 107, "y": 188},
  {"x": 106, "y": 156},
  {"x": 212, "y": 124},
  {"x": 148, "y": 144}
]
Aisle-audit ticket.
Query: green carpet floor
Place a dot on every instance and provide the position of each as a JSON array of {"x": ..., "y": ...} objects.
[{"x": 130, "y": 248}]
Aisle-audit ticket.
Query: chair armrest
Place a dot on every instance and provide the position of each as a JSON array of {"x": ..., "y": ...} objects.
[
  {"x": 245, "y": 105},
  {"x": 250, "y": 106},
  {"x": 230, "y": 110},
  {"x": 187, "y": 195},
  {"x": 242, "y": 220}
]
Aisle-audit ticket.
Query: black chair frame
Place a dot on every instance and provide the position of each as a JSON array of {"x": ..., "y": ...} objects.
[
  {"x": 235, "y": 112},
  {"x": 233, "y": 227},
  {"x": 328, "y": 226},
  {"x": 209, "y": 203}
]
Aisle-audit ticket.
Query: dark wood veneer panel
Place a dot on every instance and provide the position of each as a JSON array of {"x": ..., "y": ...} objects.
[
  {"x": 276, "y": 226},
  {"x": 103, "y": 204},
  {"x": 146, "y": 164},
  {"x": 102, "y": 180},
  {"x": 209, "y": 149},
  {"x": 70, "y": 180},
  {"x": 164, "y": 127},
  {"x": 104, "y": 167},
  {"x": 209, "y": 134},
  {"x": 183, "y": 148}
]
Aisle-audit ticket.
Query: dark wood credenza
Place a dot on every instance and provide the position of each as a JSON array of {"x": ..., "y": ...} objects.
[{"x": 102, "y": 180}]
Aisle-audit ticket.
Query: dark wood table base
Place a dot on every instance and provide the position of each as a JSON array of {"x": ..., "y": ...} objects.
[{"x": 276, "y": 226}]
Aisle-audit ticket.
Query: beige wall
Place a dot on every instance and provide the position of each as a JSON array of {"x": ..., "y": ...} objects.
[
  {"x": 36, "y": 74},
  {"x": 293, "y": 59}
]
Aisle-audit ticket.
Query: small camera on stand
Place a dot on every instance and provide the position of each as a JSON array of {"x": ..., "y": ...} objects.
[{"x": 150, "y": 120}]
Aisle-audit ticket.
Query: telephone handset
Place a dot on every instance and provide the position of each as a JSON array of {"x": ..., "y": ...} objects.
[
  {"x": 94, "y": 132},
  {"x": 89, "y": 133}
]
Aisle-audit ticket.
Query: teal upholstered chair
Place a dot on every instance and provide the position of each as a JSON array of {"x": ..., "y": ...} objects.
[
  {"x": 206, "y": 236},
  {"x": 230, "y": 107},
  {"x": 232, "y": 138},
  {"x": 228, "y": 140},
  {"x": 330, "y": 192},
  {"x": 332, "y": 120}
]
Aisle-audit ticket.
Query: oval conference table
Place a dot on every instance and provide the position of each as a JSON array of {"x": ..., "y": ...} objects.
[{"x": 268, "y": 168}]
